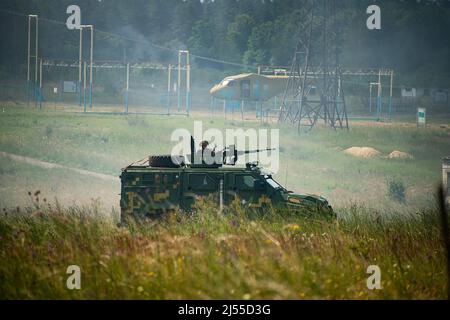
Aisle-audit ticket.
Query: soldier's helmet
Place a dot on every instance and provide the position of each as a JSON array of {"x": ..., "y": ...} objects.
[{"x": 204, "y": 144}]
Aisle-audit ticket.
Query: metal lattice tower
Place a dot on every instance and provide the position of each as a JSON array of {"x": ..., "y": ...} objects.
[{"x": 314, "y": 89}]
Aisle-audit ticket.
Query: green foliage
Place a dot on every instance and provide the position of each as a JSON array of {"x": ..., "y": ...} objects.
[
  {"x": 239, "y": 32},
  {"x": 202, "y": 38},
  {"x": 48, "y": 131},
  {"x": 258, "y": 51},
  {"x": 207, "y": 255},
  {"x": 396, "y": 189},
  {"x": 135, "y": 121},
  {"x": 413, "y": 39}
]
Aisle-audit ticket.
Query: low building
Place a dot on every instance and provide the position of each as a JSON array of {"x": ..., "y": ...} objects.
[
  {"x": 408, "y": 92},
  {"x": 440, "y": 96},
  {"x": 437, "y": 95}
]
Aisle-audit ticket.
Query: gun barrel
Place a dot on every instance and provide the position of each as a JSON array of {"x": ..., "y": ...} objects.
[{"x": 255, "y": 151}]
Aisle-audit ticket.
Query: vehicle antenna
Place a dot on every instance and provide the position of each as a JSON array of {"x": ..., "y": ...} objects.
[{"x": 286, "y": 176}]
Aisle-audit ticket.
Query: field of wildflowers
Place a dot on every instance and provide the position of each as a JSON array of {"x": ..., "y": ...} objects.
[{"x": 207, "y": 255}]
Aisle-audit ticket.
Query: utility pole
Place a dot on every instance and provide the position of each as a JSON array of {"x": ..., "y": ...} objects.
[
  {"x": 91, "y": 61},
  {"x": 188, "y": 83},
  {"x": 90, "y": 66},
  {"x": 188, "y": 80},
  {"x": 169, "y": 80},
  {"x": 80, "y": 65},
  {"x": 379, "y": 96},
  {"x": 127, "y": 88},
  {"x": 35, "y": 56},
  {"x": 179, "y": 81},
  {"x": 390, "y": 93},
  {"x": 84, "y": 87},
  {"x": 40, "y": 85}
]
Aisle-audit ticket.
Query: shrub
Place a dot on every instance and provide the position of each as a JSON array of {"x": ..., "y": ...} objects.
[
  {"x": 48, "y": 131},
  {"x": 396, "y": 190},
  {"x": 137, "y": 122}
]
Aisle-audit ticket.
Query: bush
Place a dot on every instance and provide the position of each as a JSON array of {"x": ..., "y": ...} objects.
[
  {"x": 48, "y": 131},
  {"x": 137, "y": 122},
  {"x": 396, "y": 190}
]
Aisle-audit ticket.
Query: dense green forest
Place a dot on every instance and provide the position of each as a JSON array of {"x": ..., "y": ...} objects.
[{"x": 414, "y": 37}]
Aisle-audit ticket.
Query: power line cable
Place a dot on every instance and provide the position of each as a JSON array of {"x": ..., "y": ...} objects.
[{"x": 146, "y": 42}]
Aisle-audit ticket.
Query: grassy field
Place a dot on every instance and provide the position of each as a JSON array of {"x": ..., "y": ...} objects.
[
  {"x": 312, "y": 163},
  {"x": 236, "y": 255},
  {"x": 212, "y": 256}
]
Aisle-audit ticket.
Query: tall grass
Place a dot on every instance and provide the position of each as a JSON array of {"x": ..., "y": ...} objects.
[{"x": 233, "y": 255}]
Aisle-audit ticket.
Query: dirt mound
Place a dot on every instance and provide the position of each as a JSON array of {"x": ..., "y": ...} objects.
[
  {"x": 399, "y": 155},
  {"x": 363, "y": 152}
]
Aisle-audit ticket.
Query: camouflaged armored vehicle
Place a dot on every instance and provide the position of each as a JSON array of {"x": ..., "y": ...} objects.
[{"x": 164, "y": 183}]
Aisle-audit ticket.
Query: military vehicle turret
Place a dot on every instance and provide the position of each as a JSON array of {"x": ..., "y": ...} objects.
[{"x": 163, "y": 183}]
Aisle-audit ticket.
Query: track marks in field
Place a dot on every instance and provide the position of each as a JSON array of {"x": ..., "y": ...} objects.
[{"x": 49, "y": 166}]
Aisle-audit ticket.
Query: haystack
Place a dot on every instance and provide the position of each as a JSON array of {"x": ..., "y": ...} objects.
[
  {"x": 362, "y": 152},
  {"x": 399, "y": 155}
]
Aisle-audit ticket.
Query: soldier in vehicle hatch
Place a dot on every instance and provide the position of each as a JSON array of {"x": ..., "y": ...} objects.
[{"x": 205, "y": 155}]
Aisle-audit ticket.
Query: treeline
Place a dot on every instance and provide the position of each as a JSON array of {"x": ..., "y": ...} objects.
[{"x": 414, "y": 38}]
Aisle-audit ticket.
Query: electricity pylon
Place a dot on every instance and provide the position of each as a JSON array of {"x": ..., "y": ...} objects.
[{"x": 314, "y": 89}]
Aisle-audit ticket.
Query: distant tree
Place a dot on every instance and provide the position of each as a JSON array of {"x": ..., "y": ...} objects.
[
  {"x": 186, "y": 14},
  {"x": 284, "y": 39},
  {"x": 239, "y": 32},
  {"x": 413, "y": 38},
  {"x": 202, "y": 38},
  {"x": 259, "y": 45}
]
